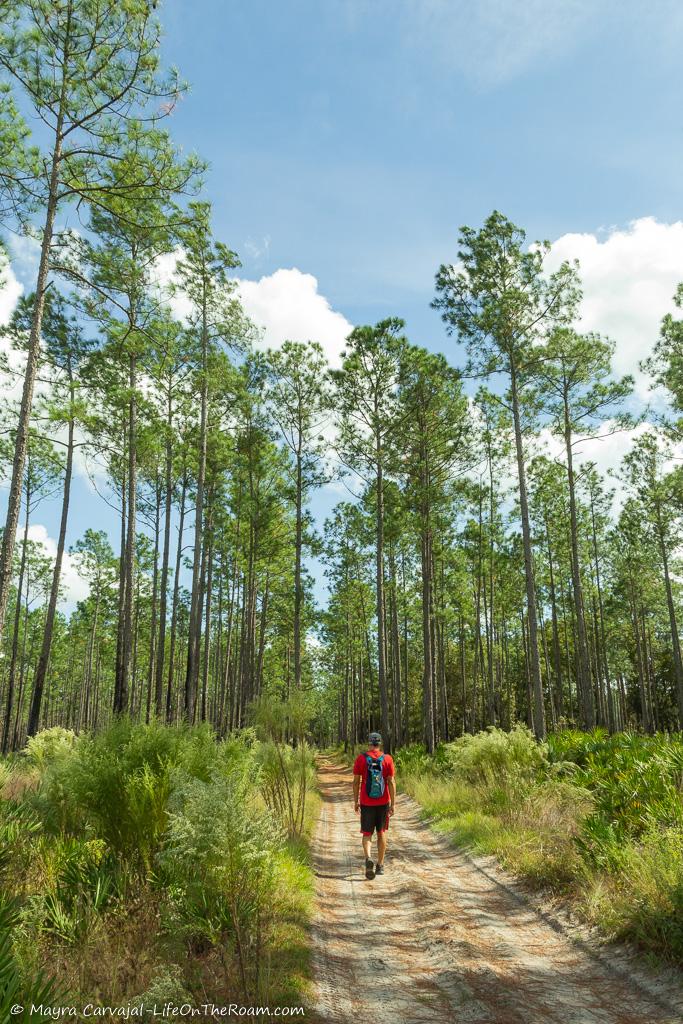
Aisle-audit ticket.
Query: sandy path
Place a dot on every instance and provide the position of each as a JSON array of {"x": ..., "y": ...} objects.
[{"x": 440, "y": 939}]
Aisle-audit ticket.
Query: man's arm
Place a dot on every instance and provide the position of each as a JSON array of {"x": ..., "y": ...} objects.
[
  {"x": 356, "y": 791},
  {"x": 391, "y": 781}
]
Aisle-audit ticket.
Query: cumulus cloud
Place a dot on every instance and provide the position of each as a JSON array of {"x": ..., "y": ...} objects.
[
  {"x": 285, "y": 305},
  {"x": 74, "y": 587},
  {"x": 629, "y": 277},
  {"x": 288, "y": 306}
]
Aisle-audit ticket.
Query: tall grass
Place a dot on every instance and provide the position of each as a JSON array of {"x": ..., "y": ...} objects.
[
  {"x": 154, "y": 859},
  {"x": 595, "y": 818}
]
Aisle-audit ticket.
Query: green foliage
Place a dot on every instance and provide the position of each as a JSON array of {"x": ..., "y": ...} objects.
[
  {"x": 147, "y": 818},
  {"x": 117, "y": 783},
  {"x": 48, "y": 745},
  {"x": 18, "y": 830},
  {"x": 598, "y": 817},
  {"x": 496, "y": 756},
  {"x": 286, "y": 774},
  {"x": 220, "y": 864},
  {"x": 14, "y": 988},
  {"x": 637, "y": 780}
]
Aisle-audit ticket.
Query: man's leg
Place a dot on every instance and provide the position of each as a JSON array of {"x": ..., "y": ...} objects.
[
  {"x": 367, "y": 844},
  {"x": 381, "y": 846},
  {"x": 367, "y": 827}
]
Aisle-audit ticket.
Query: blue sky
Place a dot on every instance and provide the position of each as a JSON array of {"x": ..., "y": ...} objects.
[
  {"x": 349, "y": 139},
  {"x": 357, "y": 135}
]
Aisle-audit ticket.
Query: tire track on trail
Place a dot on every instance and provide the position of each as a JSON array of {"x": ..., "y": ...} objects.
[{"x": 438, "y": 939}]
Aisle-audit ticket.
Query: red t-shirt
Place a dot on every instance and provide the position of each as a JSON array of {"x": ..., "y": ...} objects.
[{"x": 360, "y": 767}]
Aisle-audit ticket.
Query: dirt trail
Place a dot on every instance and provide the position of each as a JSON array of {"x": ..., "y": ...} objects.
[{"x": 440, "y": 938}]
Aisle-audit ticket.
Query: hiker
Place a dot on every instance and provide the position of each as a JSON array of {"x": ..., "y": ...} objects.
[{"x": 374, "y": 794}]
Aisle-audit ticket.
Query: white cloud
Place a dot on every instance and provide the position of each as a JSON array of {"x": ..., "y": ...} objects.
[
  {"x": 165, "y": 273},
  {"x": 74, "y": 587},
  {"x": 10, "y": 291},
  {"x": 288, "y": 306},
  {"x": 629, "y": 277},
  {"x": 25, "y": 253}
]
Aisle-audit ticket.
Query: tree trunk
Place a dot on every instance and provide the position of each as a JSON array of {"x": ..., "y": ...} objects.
[
  {"x": 7, "y": 727},
  {"x": 192, "y": 671},
  {"x": 129, "y": 563},
  {"x": 428, "y": 730},
  {"x": 155, "y": 592},
  {"x": 44, "y": 659},
  {"x": 557, "y": 658},
  {"x": 165, "y": 559},
  {"x": 176, "y": 596},
  {"x": 583, "y": 673},
  {"x": 298, "y": 590},
  {"x": 534, "y": 663},
  {"x": 673, "y": 625},
  {"x": 33, "y": 353},
  {"x": 381, "y": 630},
  {"x": 207, "y": 623}
]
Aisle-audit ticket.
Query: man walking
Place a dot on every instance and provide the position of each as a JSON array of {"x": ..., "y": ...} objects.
[{"x": 374, "y": 793}]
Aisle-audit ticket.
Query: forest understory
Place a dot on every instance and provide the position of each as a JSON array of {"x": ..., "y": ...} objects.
[{"x": 155, "y": 865}]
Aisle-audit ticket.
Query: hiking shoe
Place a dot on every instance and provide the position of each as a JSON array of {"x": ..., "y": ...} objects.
[
  {"x": 379, "y": 870},
  {"x": 369, "y": 868}
]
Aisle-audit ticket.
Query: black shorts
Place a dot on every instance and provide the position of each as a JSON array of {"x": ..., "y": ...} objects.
[{"x": 374, "y": 817}]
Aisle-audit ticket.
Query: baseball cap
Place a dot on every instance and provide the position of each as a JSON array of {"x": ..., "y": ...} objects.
[{"x": 375, "y": 739}]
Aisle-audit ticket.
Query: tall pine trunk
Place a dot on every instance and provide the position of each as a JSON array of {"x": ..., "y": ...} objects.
[
  {"x": 21, "y": 438},
  {"x": 381, "y": 626},
  {"x": 195, "y": 624},
  {"x": 7, "y": 727},
  {"x": 44, "y": 659},
  {"x": 298, "y": 592},
  {"x": 673, "y": 625},
  {"x": 165, "y": 559},
  {"x": 583, "y": 673},
  {"x": 533, "y": 658}
]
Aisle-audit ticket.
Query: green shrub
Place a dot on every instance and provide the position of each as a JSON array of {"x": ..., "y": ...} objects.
[
  {"x": 219, "y": 862},
  {"x": 167, "y": 987},
  {"x": 599, "y": 817},
  {"x": 19, "y": 827},
  {"x": 85, "y": 879},
  {"x": 636, "y": 780},
  {"x": 285, "y": 776},
  {"x": 15, "y": 989},
  {"x": 643, "y": 899},
  {"x": 145, "y": 842},
  {"x": 49, "y": 745},
  {"x": 414, "y": 760},
  {"x": 496, "y": 757},
  {"x": 116, "y": 785}
]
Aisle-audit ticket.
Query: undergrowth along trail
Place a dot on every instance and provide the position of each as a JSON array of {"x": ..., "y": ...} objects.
[{"x": 597, "y": 820}]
